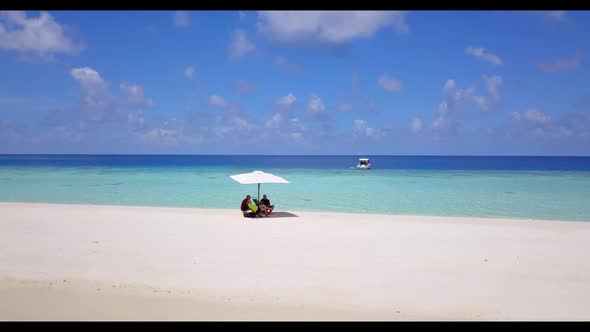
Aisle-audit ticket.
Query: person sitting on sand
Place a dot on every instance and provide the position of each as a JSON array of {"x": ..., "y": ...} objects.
[
  {"x": 265, "y": 206},
  {"x": 245, "y": 207}
]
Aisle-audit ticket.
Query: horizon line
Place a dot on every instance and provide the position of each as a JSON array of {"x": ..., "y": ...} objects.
[{"x": 282, "y": 155}]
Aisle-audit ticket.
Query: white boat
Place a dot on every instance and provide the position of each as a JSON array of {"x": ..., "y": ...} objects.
[{"x": 364, "y": 163}]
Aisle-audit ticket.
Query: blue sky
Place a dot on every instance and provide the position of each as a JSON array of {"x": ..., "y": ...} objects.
[{"x": 231, "y": 82}]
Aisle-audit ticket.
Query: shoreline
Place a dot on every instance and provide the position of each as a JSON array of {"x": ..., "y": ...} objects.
[
  {"x": 299, "y": 211},
  {"x": 120, "y": 261}
]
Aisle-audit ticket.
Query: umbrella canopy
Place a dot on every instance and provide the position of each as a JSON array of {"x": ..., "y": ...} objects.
[{"x": 258, "y": 177}]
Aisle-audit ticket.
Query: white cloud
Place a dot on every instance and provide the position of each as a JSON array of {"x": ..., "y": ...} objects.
[
  {"x": 360, "y": 129},
  {"x": 189, "y": 72},
  {"x": 86, "y": 76},
  {"x": 134, "y": 95},
  {"x": 240, "y": 122},
  {"x": 242, "y": 15},
  {"x": 95, "y": 98},
  {"x": 98, "y": 105},
  {"x": 327, "y": 27},
  {"x": 492, "y": 84},
  {"x": 287, "y": 100},
  {"x": 181, "y": 19},
  {"x": 416, "y": 125},
  {"x": 275, "y": 121},
  {"x": 296, "y": 124},
  {"x": 390, "y": 84},
  {"x": 282, "y": 111},
  {"x": 136, "y": 119},
  {"x": 449, "y": 85},
  {"x": 293, "y": 128},
  {"x": 534, "y": 123},
  {"x": 481, "y": 102},
  {"x": 282, "y": 123},
  {"x": 218, "y": 101},
  {"x": 536, "y": 116},
  {"x": 233, "y": 126},
  {"x": 231, "y": 121},
  {"x": 315, "y": 105},
  {"x": 359, "y": 125},
  {"x": 479, "y": 52},
  {"x": 443, "y": 107},
  {"x": 440, "y": 122},
  {"x": 457, "y": 98},
  {"x": 558, "y": 65},
  {"x": 41, "y": 34},
  {"x": 240, "y": 45}
]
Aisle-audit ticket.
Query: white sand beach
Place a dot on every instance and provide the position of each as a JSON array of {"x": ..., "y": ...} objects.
[{"x": 84, "y": 262}]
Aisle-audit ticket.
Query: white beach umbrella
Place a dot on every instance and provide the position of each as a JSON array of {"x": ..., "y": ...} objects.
[{"x": 258, "y": 177}]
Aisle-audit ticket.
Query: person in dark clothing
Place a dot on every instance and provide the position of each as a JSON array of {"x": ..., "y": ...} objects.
[
  {"x": 265, "y": 206},
  {"x": 246, "y": 209}
]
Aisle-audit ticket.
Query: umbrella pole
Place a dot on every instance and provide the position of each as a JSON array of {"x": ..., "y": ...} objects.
[{"x": 259, "y": 192}]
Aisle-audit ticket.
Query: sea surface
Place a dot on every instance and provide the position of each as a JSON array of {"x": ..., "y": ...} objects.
[{"x": 513, "y": 187}]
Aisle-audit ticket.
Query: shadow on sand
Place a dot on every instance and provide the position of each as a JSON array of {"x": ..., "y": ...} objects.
[{"x": 283, "y": 215}]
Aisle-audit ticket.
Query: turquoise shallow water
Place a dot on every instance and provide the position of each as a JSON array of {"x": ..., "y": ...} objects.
[{"x": 561, "y": 195}]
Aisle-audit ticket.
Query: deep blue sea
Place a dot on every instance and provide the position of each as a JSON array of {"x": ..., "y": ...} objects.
[{"x": 513, "y": 187}]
